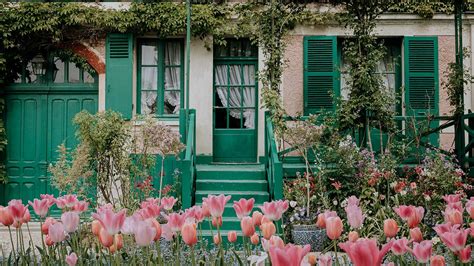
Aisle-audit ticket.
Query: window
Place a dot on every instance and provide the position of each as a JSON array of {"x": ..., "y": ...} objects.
[{"x": 160, "y": 76}]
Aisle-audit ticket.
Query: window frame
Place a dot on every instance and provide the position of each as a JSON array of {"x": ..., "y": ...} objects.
[{"x": 161, "y": 67}]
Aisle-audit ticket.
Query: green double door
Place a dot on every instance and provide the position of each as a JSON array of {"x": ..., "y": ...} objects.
[
  {"x": 37, "y": 121},
  {"x": 235, "y": 111}
]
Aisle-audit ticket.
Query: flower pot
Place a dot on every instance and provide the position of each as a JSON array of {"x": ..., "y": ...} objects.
[{"x": 309, "y": 234}]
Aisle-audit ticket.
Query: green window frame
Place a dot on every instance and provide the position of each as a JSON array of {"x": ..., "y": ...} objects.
[{"x": 158, "y": 68}]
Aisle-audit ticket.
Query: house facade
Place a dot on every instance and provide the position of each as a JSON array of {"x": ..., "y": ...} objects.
[{"x": 144, "y": 74}]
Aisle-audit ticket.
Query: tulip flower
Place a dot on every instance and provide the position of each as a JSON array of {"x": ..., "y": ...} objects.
[
  {"x": 48, "y": 241},
  {"x": 470, "y": 207},
  {"x": 321, "y": 222},
  {"x": 17, "y": 210},
  {"x": 400, "y": 246},
  {"x": 437, "y": 260},
  {"x": 416, "y": 235},
  {"x": 6, "y": 217},
  {"x": 334, "y": 227},
  {"x": 243, "y": 207},
  {"x": 106, "y": 239},
  {"x": 112, "y": 222},
  {"x": 452, "y": 198},
  {"x": 248, "y": 227},
  {"x": 390, "y": 228},
  {"x": 189, "y": 234},
  {"x": 324, "y": 260},
  {"x": 41, "y": 207},
  {"x": 353, "y": 236},
  {"x": 465, "y": 254},
  {"x": 422, "y": 251},
  {"x": 255, "y": 239},
  {"x": 217, "y": 239},
  {"x": 195, "y": 212},
  {"x": 232, "y": 236},
  {"x": 453, "y": 216},
  {"x": 71, "y": 259},
  {"x": 268, "y": 229},
  {"x": 216, "y": 204},
  {"x": 290, "y": 255},
  {"x": 455, "y": 239},
  {"x": 312, "y": 258},
  {"x": 364, "y": 252},
  {"x": 66, "y": 201},
  {"x": 45, "y": 226},
  {"x": 206, "y": 212},
  {"x": 144, "y": 233},
  {"x": 96, "y": 226},
  {"x": 157, "y": 226},
  {"x": 275, "y": 209},
  {"x": 176, "y": 221},
  {"x": 411, "y": 214},
  {"x": 257, "y": 218},
  {"x": 217, "y": 221},
  {"x": 80, "y": 206},
  {"x": 167, "y": 203},
  {"x": 70, "y": 221},
  {"x": 355, "y": 217},
  {"x": 56, "y": 232},
  {"x": 275, "y": 241}
]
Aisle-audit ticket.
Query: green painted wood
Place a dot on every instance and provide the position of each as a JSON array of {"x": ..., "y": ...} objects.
[
  {"x": 235, "y": 145},
  {"x": 422, "y": 79},
  {"x": 231, "y": 185},
  {"x": 230, "y": 172},
  {"x": 188, "y": 162},
  {"x": 119, "y": 73},
  {"x": 320, "y": 74}
]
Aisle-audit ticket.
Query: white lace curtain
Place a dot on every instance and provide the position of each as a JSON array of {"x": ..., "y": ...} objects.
[
  {"x": 172, "y": 76},
  {"x": 228, "y": 76}
]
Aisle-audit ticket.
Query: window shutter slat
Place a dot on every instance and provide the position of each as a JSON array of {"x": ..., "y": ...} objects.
[
  {"x": 119, "y": 73},
  {"x": 320, "y": 73}
]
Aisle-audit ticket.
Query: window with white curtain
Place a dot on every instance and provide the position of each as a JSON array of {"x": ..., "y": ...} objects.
[{"x": 160, "y": 76}]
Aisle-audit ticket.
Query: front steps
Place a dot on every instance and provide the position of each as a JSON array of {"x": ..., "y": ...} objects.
[{"x": 237, "y": 180}]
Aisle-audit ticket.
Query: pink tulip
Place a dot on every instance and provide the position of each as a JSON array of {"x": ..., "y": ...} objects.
[
  {"x": 70, "y": 221},
  {"x": 206, "y": 212},
  {"x": 243, "y": 207},
  {"x": 17, "y": 210},
  {"x": 49, "y": 197},
  {"x": 46, "y": 224},
  {"x": 465, "y": 254},
  {"x": 56, "y": 232},
  {"x": 312, "y": 259},
  {"x": 453, "y": 216},
  {"x": 268, "y": 229},
  {"x": 217, "y": 221},
  {"x": 255, "y": 239},
  {"x": 355, "y": 216},
  {"x": 196, "y": 213},
  {"x": 112, "y": 222},
  {"x": 150, "y": 209},
  {"x": 6, "y": 217},
  {"x": 353, "y": 236},
  {"x": 290, "y": 255},
  {"x": 158, "y": 229},
  {"x": 232, "y": 236},
  {"x": 176, "y": 221},
  {"x": 364, "y": 252},
  {"x": 144, "y": 233},
  {"x": 66, "y": 201},
  {"x": 129, "y": 223},
  {"x": 216, "y": 204},
  {"x": 275, "y": 209},
  {"x": 150, "y": 201},
  {"x": 411, "y": 214},
  {"x": 325, "y": 260},
  {"x": 416, "y": 235},
  {"x": 167, "y": 203},
  {"x": 390, "y": 228},
  {"x": 105, "y": 238},
  {"x": 455, "y": 239},
  {"x": 80, "y": 206},
  {"x": 189, "y": 234},
  {"x": 452, "y": 198},
  {"x": 422, "y": 251},
  {"x": 217, "y": 239},
  {"x": 334, "y": 227},
  {"x": 437, "y": 260},
  {"x": 167, "y": 233},
  {"x": 71, "y": 259},
  {"x": 275, "y": 241},
  {"x": 248, "y": 227},
  {"x": 321, "y": 222},
  {"x": 41, "y": 207},
  {"x": 400, "y": 246},
  {"x": 257, "y": 218}
]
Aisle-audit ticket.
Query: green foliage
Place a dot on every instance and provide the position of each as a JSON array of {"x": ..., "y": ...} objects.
[{"x": 456, "y": 79}]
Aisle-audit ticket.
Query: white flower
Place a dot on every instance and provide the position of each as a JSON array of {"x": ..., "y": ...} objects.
[
  {"x": 403, "y": 192},
  {"x": 293, "y": 203},
  {"x": 258, "y": 260},
  {"x": 376, "y": 194},
  {"x": 334, "y": 202},
  {"x": 427, "y": 197},
  {"x": 435, "y": 240},
  {"x": 393, "y": 184}
]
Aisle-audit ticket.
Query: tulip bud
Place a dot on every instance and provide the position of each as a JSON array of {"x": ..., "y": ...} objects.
[
  {"x": 248, "y": 227},
  {"x": 105, "y": 239},
  {"x": 353, "y": 236},
  {"x": 416, "y": 235},
  {"x": 255, "y": 239},
  {"x": 268, "y": 229},
  {"x": 312, "y": 259},
  {"x": 437, "y": 260},
  {"x": 96, "y": 226},
  {"x": 390, "y": 228},
  {"x": 334, "y": 227},
  {"x": 257, "y": 218},
  {"x": 48, "y": 241},
  {"x": 217, "y": 240},
  {"x": 232, "y": 236}
]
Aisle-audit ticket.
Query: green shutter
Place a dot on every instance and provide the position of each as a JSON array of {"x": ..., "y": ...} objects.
[
  {"x": 422, "y": 81},
  {"x": 421, "y": 75},
  {"x": 321, "y": 80},
  {"x": 119, "y": 74}
]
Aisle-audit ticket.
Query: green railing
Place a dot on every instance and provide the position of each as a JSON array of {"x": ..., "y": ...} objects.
[
  {"x": 273, "y": 165},
  {"x": 187, "y": 124}
]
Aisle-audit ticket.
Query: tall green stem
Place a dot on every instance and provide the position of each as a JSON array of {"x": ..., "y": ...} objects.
[
  {"x": 335, "y": 253},
  {"x": 11, "y": 241}
]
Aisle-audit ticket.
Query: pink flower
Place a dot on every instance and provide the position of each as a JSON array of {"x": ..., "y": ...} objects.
[
  {"x": 455, "y": 239},
  {"x": 470, "y": 207},
  {"x": 353, "y": 201},
  {"x": 66, "y": 201},
  {"x": 400, "y": 246},
  {"x": 144, "y": 233},
  {"x": 167, "y": 203},
  {"x": 453, "y": 216},
  {"x": 390, "y": 228},
  {"x": 422, "y": 251},
  {"x": 189, "y": 234},
  {"x": 232, "y": 236},
  {"x": 41, "y": 207},
  {"x": 112, "y": 222},
  {"x": 275, "y": 241},
  {"x": 70, "y": 221},
  {"x": 355, "y": 216},
  {"x": 56, "y": 232},
  {"x": 71, "y": 259},
  {"x": 17, "y": 210},
  {"x": 290, "y": 255},
  {"x": 325, "y": 260},
  {"x": 275, "y": 209},
  {"x": 149, "y": 201},
  {"x": 465, "y": 254},
  {"x": 322, "y": 217},
  {"x": 416, "y": 235},
  {"x": 452, "y": 198},
  {"x": 48, "y": 197},
  {"x": 216, "y": 204},
  {"x": 150, "y": 208},
  {"x": 437, "y": 260},
  {"x": 129, "y": 223},
  {"x": 257, "y": 218},
  {"x": 364, "y": 252},
  {"x": 195, "y": 212},
  {"x": 247, "y": 226},
  {"x": 6, "y": 217},
  {"x": 334, "y": 227},
  {"x": 243, "y": 207},
  {"x": 167, "y": 233},
  {"x": 80, "y": 206},
  {"x": 176, "y": 221},
  {"x": 411, "y": 214}
]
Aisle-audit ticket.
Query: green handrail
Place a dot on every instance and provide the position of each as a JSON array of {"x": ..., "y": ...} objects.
[
  {"x": 188, "y": 161},
  {"x": 273, "y": 165}
]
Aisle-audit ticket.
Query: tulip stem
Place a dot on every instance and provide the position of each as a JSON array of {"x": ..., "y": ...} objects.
[
  {"x": 192, "y": 256},
  {"x": 11, "y": 240},
  {"x": 32, "y": 245},
  {"x": 335, "y": 253}
]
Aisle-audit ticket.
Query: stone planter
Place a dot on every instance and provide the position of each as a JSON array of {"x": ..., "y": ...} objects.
[{"x": 309, "y": 234}]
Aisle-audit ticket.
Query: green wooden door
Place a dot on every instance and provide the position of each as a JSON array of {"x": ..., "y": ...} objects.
[{"x": 235, "y": 111}]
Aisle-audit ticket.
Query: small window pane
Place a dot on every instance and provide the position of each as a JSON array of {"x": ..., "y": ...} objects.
[
  {"x": 235, "y": 119},
  {"x": 149, "y": 78},
  {"x": 220, "y": 117},
  {"x": 172, "y": 102},
  {"x": 149, "y": 54},
  {"x": 235, "y": 77},
  {"x": 148, "y": 102},
  {"x": 249, "y": 75},
  {"x": 173, "y": 53},
  {"x": 58, "y": 71},
  {"x": 220, "y": 75},
  {"x": 17, "y": 80},
  {"x": 249, "y": 118},
  {"x": 172, "y": 78},
  {"x": 30, "y": 76},
  {"x": 249, "y": 97},
  {"x": 73, "y": 73},
  {"x": 221, "y": 97},
  {"x": 88, "y": 78}
]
